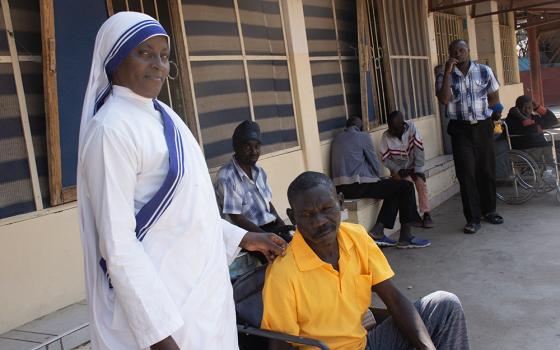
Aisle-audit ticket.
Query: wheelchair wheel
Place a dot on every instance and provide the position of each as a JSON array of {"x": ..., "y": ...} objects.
[{"x": 522, "y": 179}]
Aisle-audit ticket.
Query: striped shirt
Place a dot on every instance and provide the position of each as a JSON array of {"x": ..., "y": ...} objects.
[
  {"x": 469, "y": 100},
  {"x": 406, "y": 152},
  {"x": 238, "y": 194}
]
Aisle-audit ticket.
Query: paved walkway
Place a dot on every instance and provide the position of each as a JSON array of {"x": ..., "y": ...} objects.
[{"x": 507, "y": 276}]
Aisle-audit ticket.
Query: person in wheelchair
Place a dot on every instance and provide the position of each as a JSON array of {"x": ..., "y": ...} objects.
[
  {"x": 525, "y": 123},
  {"x": 322, "y": 286}
]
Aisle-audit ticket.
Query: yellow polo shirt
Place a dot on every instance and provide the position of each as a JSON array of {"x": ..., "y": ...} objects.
[{"x": 307, "y": 297}]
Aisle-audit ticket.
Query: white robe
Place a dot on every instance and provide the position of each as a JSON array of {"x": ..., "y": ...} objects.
[{"x": 175, "y": 282}]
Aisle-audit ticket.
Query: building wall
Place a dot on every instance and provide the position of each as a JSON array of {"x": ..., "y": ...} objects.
[
  {"x": 40, "y": 253},
  {"x": 490, "y": 51},
  {"x": 40, "y": 266}
]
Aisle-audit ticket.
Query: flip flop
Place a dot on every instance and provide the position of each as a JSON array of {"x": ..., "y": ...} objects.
[{"x": 494, "y": 218}]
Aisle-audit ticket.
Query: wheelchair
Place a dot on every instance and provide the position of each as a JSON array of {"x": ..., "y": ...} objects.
[
  {"x": 247, "y": 294},
  {"x": 522, "y": 174}
]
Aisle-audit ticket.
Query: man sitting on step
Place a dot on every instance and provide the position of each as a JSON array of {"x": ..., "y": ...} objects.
[
  {"x": 402, "y": 152},
  {"x": 356, "y": 172}
]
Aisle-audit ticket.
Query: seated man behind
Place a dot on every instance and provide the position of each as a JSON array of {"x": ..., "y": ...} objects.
[
  {"x": 356, "y": 172},
  {"x": 527, "y": 120},
  {"x": 244, "y": 195},
  {"x": 402, "y": 152},
  {"x": 323, "y": 284}
]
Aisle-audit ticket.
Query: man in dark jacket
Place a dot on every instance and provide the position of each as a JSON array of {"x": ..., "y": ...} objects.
[{"x": 526, "y": 122}]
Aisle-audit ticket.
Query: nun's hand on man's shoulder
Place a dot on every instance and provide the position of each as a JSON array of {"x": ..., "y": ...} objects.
[{"x": 270, "y": 244}]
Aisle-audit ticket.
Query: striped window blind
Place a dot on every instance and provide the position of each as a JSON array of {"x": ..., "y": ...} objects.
[
  {"x": 239, "y": 68},
  {"x": 333, "y": 49},
  {"x": 16, "y": 183}
]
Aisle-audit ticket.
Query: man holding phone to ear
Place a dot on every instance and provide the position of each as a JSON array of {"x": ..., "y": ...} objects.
[{"x": 469, "y": 91}]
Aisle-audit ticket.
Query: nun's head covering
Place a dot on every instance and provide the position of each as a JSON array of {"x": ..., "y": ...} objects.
[
  {"x": 246, "y": 131},
  {"x": 116, "y": 38}
]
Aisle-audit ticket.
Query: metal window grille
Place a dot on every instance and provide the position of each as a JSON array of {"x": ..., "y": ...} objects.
[
  {"x": 448, "y": 27},
  {"x": 506, "y": 43}
]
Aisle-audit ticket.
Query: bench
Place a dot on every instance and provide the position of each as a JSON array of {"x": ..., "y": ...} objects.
[{"x": 442, "y": 184}]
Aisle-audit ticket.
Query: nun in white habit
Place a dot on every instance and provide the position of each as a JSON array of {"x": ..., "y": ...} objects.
[{"x": 156, "y": 251}]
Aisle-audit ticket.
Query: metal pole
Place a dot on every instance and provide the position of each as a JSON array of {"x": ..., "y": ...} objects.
[{"x": 534, "y": 56}]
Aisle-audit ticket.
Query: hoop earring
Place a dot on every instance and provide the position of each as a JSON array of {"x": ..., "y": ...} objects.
[{"x": 176, "y": 69}]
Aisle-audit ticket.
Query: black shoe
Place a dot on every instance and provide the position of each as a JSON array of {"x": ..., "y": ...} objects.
[
  {"x": 471, "y": 227},
  {"x": 493, "y": 218}
]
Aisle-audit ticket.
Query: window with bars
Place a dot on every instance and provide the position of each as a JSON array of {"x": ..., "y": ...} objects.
[
  {"x": 409, "y": 56},
  {"x": 448, "y": 27},
  {"x": 508, "y": 50},
  {"x": 333, "y": 49},
  {"x": 23, "y": 160},
  {"x": 239, "y": 70}
]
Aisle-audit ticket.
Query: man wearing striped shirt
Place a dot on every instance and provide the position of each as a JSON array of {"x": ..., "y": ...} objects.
[
  {"x": 243, "y": 193},
  {"x": 402, "y": 152},
  {"x": 469, "y": 91}
]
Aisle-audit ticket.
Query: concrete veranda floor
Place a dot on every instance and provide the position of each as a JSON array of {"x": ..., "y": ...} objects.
[{"x": 507, "y": 276}]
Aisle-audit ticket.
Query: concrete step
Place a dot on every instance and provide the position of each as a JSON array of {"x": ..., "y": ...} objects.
[{"x": 42, "y": 330}]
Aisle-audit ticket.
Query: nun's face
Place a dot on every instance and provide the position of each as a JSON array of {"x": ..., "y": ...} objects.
[{"x": 144, "y": 70}]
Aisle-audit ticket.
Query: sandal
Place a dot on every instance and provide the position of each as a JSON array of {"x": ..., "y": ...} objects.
[
  {"x": 494, "y": 218},
  {"x": 471, "y": 227}
]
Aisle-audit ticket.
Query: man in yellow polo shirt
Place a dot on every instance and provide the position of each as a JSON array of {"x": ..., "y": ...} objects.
[{"x": 322, "y": 286}]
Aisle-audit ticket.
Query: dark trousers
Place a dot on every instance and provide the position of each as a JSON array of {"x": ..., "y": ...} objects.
[
  {"x": 398, "y": 196},
  {"x": 475, "y": 166}
]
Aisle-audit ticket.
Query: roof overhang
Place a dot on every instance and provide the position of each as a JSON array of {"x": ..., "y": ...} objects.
[{"x": 541, "y": 14}]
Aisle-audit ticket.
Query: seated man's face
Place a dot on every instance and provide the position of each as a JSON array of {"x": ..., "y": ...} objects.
[
  {"x": 396, "y": 126},
  {"x": 527, "y": 109},
  {"x": 248, "y": 152},
  {"x": 316, "y": 213}
]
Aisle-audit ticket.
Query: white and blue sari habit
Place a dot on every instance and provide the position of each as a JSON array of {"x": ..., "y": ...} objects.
[{"x": 156, "y": 251}]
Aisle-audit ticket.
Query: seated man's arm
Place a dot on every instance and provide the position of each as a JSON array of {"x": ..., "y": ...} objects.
[
  {"x": 418, "y": 152},
  {"x": 546, "y": 118},
  {"x": 241, "y": 221},
  {"x": 387, "y": 158},
  {"x": 405, "y": 315},
  {"x": 369, "y": 153},
  {"x": 528, "y": 124}
]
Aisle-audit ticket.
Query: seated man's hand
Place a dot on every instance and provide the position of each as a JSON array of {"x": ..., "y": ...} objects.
[
  {"x": 269, "y": 244},
  {"x": 368, "y": 321},
  {"x": 496, "y": 115},
  {"x": 421, "y": 175},
  {"x": 403, "y": 173}
]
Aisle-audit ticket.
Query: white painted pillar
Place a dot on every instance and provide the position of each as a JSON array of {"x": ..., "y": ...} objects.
[{"x": 302, "y": 85}]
